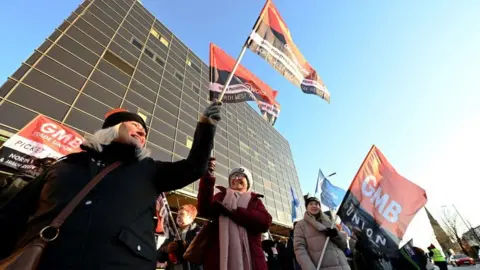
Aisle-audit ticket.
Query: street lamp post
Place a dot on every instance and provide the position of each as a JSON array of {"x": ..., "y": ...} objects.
[{"x": 332, "y": 174}]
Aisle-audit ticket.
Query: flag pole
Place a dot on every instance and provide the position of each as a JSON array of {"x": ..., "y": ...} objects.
[
  {"x": 344, "y": 198},
  {"x": 318, "y": 177},
  {"x": 232, "y": 73},
  {"x": 334, "y": 220},
  {"x": 170, "y": 216},
  {"x": 356, "y": 175},
  {"x": 242, "y": 52}
]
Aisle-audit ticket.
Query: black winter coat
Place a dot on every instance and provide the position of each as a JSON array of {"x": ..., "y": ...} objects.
[
  {"x": 162, "y": 254},
  {"x": 113, "y": 227}
]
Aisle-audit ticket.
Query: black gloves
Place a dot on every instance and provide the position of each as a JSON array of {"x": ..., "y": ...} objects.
[
  {"x": 211, "y": 166},
  {"x": 331, "y": 232},
  {"x": 213, "y": 110},
  {"x": 219, "y": 208}
]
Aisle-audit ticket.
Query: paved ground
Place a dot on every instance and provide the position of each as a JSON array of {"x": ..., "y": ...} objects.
[{"x": 465, "y": 267}]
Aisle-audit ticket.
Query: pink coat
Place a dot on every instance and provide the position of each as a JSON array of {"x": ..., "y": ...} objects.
[{"x": 255, "y": 219}]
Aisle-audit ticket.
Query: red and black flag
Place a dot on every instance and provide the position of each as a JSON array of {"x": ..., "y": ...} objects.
[
  {"x": 380, "y": 203},
  {"x": 269, "y": 110},
  {"x": 244, "y": 86},
  {"x": 272, "y": 41}
]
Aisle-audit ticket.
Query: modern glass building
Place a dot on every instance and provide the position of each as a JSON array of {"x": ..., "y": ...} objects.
[{"x": 110, "y": 54}]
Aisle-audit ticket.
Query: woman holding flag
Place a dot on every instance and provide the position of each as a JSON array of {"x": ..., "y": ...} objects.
[
  {"x": 310, "y": 236},
  {"x": 240, "y": 219}
]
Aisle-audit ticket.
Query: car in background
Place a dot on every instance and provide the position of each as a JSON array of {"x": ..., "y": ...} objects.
[{"x": 461, "y": 259}]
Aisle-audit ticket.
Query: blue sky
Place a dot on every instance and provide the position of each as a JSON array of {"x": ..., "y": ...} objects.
[{"x": 402, "y": 75}]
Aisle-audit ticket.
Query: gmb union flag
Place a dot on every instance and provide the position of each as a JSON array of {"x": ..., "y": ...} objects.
[
  {"x": 380, "y": 203},
  {"x": 272, "y": 41},
  {"x": 40, "y": 138},
  {"x": 244, "y": 86}
]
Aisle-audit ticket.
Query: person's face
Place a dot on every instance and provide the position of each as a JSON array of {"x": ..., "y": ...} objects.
[
  {"x": 184, "y": 218},
  {"x": 313, "y": 208},
  {"x": 238, "y": 182},
  {"x": 133, "y": 133}
]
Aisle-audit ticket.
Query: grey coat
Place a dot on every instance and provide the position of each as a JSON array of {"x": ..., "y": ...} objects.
[{"x": 309, "y": 240}]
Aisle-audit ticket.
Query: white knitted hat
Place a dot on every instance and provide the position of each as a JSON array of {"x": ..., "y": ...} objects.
[{"x": 245, "y": 172}]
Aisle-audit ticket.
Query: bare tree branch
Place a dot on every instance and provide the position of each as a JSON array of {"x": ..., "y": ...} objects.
[{"x": 451, "y": 222}]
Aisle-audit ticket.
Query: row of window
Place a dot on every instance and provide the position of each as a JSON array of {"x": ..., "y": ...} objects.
[
  {"x": 88, "y": 103},
  {"x": 121, "y": 32},
  {"x": 178, "y": 75}
]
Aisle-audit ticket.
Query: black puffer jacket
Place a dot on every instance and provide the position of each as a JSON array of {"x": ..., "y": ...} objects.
[{"x": 113, "y": 227}]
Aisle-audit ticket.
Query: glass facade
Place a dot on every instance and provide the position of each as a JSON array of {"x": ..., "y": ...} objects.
[{"x": 110, "y": 54}]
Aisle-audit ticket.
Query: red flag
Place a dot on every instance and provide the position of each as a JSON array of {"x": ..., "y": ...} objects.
[
  {"x": 381, "y": 202},
  {"x": 272, "y": 41},
  {"x": 245, "y": 86},
  {"x": 270, "y": 110},
  {"x": 162, "y": 216}
]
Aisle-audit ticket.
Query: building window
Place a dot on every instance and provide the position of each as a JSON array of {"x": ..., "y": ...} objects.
[
  {"x": 154, "y": 33},
  {"x": 196, "y": 89},
  {"x": 164, "y": 41},
  {"x": 142, "y": 115},
  {"x": 2, "y": 140},
  {"x": 149, "y": 53},
  {"x": 195, "y": 67},
  {"x": 119, "y": 63},
  {"x": 244, "y": 147},
  {"x": 159, "y": 61},
  {"x": 189, "y": 142},
  {"x": 178, "y": 76},
  {"x": 137, "y": 43}
]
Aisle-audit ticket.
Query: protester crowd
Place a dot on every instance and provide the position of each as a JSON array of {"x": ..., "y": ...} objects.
[{"x": 110, "y": 225}]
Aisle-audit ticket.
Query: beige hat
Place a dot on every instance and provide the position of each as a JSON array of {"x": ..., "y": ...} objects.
[{"x": 245, "y": 172}]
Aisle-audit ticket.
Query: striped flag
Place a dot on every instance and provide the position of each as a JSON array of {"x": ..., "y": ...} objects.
[
  {"x": 244, "y": 86},
  {"x": 271, "y": 40}
]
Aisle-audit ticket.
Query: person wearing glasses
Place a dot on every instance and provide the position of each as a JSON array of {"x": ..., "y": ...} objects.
[{"x": 241, "y": 218}]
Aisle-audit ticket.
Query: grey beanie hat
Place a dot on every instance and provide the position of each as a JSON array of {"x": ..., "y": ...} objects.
[
  {"x": 245, "y": 172},
  {"x": 309, "y": 198}
]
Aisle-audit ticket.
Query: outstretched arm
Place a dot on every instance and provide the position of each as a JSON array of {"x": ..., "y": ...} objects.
[{"x": 181, "y": 173}]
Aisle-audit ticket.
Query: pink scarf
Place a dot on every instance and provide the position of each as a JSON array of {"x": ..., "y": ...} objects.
[{"x": 234, "y": 246}]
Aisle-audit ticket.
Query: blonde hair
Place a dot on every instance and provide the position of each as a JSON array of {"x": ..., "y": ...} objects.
[{"x": 108, "y": 135}]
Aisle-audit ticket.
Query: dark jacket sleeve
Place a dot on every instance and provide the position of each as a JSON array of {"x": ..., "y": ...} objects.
[
  {"x": 256, "y": 220},
  {"x": 162, "y": 254},
  {"x": 176, "y": 175},
  {"x": 14, "y": 215},
  {"x": 205, "y": 196}
]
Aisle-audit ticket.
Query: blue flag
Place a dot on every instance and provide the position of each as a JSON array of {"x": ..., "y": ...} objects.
[
  {"x": 320, "y": 179},
  {"x": 295, "y": 204},
  {"x": 331, "y": 196}
]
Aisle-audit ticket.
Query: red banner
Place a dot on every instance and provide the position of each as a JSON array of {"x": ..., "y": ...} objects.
[{"x": 40, "y": 138}]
